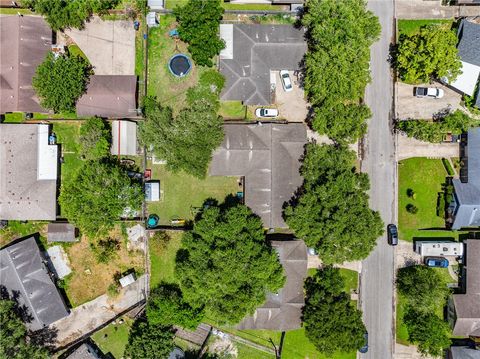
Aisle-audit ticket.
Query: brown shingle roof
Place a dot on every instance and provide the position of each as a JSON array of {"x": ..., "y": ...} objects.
[{"x": 24, "y": 43}]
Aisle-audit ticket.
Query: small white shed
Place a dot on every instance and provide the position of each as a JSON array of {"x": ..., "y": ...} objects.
[
  {"x": 156, "y": 4},
  {"x": 152, "y": 191},
  {"x": 127, "y": 280},
  {"x": 440, "y": 248},
  {"x": 152, "y": 19}
]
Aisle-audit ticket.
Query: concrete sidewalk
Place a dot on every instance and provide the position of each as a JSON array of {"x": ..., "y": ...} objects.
[
  {"x": 89, "y": 316},
  {"x": 315, "y": 262},
  {"x": 430, "y": 9}
]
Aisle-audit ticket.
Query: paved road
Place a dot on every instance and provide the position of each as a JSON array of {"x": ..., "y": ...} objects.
[{"x": 379, "y": 161}]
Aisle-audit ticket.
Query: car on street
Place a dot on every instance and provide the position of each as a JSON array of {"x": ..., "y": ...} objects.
[
  {"x": 364, "y": 349},
  {"x": 437, "y": 262},
  {"x": 286, "y": 80},
  {"x": 266, "y": 112},
  {"x": 429, "y": 92},
  {"x": 392, "y": 234}
]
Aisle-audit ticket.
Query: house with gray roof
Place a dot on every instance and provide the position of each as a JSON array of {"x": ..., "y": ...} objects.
[
  {"x": 86, "y": 350},
  {"x": 24, "y": 275},
  {"x": 469, "y": 52},
  {"x": 283, "y": 310},
  {"x": 463, "y": 352},
  {"x": 251, "y": 52},
  {"x": 24, "y": 44},
  {"x": 268, "y": 157},
  {"x": 466, "y": 205},
  {"x": 464, "y": 309},
  {"x": 28, "y": 173}
]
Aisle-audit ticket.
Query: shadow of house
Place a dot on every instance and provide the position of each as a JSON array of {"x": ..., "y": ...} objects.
[
  {"x": 464, "y": 309},
  {"x": 24, "y": 275}
]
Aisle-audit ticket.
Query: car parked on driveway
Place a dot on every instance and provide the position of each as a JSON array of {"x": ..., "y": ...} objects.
[
  {"x": 429, "y": 92},
  {"x": 392, "y": 234},
  {"x": 286, "y": 80},
  {"x": 437, "y": 262},
  {"x": 266, "y": 112}
]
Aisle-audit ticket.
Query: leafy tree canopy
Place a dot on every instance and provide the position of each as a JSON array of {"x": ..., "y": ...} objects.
[
  {"x": 434, "y": 131},
  {"x": 430, "y": 332},
  {"x": 14, "y": 343},
  {"x": 227, "y": 266},
  {"x": 331, "y": 322},
  {"x": 197, "y": 126},
  {"x": 331, "y": 212},
  {"x": 199, "y": 22},
  {"x": 59, "y": 82},
  {"x": 342, "y": 123},
  {"x": 339, "y": 37},
  {"x": 95, "y": 139},
  {"x": 97, "y": 195},
  {"x": 61, "y": 14},
  {"x": 423, "y": 287},
  {"x": 148, "y": 341},
  {"x": 166, "y": 306},
  {"x": 432, "y": 53}
]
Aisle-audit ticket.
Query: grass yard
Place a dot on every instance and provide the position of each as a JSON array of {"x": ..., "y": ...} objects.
[
  {"x": 76, "y": 51},
  {"x": 114, "y": 338},
  {"x": 17, "y": 229},
  {"x": 162, "y": 258},
  {"x": 246, "y": 352},
  {"x": 232, "y": 110},
  {"x": 350, "y": 278},
  {"x": 60, "y": 116},
  {"x": 182, "y": 193},
  {"x": 13, "y": 117},
  {"x": 14, "y": 11},
  {"x": 172, "y": 4},
  {"x": 425, "y": 177},
  {"x": 411, "y": 27},
  {"x": 68, "y": 139},
  {"x": 170, "y": 90}
]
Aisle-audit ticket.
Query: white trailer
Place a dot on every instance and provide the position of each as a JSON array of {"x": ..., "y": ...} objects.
[{"x": 440, "y": 248}]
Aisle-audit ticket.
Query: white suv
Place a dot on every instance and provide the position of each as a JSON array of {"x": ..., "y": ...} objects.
[{"x": 266, "y": 112}]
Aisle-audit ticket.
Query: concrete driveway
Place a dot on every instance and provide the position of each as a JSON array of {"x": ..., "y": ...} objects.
[
  {"x": 410, "y": 107},
  {"x": 108, "y": 45},
  {"x": 291, "y": 105},
  {"x": 410, "y": 147}
]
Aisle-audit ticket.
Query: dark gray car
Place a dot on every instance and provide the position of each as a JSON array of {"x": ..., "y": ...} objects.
[{"x": 392, "y": 234}]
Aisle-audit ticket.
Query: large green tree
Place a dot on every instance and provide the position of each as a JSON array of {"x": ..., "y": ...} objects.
[
  {"x": 14, "y": 339},
  {"x": 197, "y": 127},
  {"x": 148, "y": 341},
  {"x": 61, "y": 14},
  {"x": 59, "y": 82},
  {"x": 95, "y": 138},
  {"x": 227, "y": 265},
  {"x": 431, "y": 53},
  {"x": 97, "y": 196},
  {"x": 166, "y": 306},
  {"x": 331, "y": 322},
  {"x": 331, "y": 212},
  {"x": 198, "y": 25}
]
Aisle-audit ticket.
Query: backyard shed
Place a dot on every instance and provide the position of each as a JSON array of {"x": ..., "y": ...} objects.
[
  {"x": 156, "y": 4},
  {"x": 127, "y": 280},
  {"x": 440, "y": 248},
  {"x": 152, "y": 191},
  {"x": 152, "y": 19},
  {"x": 61, "y": 232},
  {"x": 124, "y": 138}
]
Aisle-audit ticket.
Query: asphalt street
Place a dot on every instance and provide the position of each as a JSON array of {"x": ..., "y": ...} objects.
[{"x": 379, "y": 162}]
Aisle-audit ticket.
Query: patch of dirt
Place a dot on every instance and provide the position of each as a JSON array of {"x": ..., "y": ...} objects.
[
  {"x": 223, "y": 347},
  {"x": 90, "y": 279}
]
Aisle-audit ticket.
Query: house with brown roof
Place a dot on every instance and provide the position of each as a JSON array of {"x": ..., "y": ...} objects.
[
  {"x": 24, "y": 44},
  {"x": 464, "y": 309}
]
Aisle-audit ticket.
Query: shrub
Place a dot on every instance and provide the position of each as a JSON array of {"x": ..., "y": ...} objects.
[
  {"x": 105, "y": 250},
  {"x": 411, "y": 208},
  {"x": 113, "y": 290},
  {"x": 95, "y": 139},
  {"x": 410, "y": 193},
  {"x": 441, "y": 205},
  {"x": 448, "y": 167}
]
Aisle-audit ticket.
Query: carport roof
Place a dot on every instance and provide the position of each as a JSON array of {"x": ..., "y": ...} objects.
[
  {"x": 268, "y": 156},
  {"x": 251, "y": 52}
]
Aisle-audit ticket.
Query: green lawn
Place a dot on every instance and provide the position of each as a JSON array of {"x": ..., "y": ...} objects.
[
  {"x": 411, "y": 27},
  {"x": 425, "y": 177},
  {"x": 17, "y": 229},
  {"x": 68, "y": 138},
  {"x": 46, "y": 116},
  {"x": 232, "y": 110},
  {"x": 162, "y": 258},
  {"x": 246, "y": 352},
  {"x": 350, "y": 278},
  {"x": 76, "y": 51},
  {"x": 170, "y": 90},
  {"x": 171, "y": 4},
  {"x": 14, "y": 11},
  {"x": 183, "y": 193},
  {"x": 14, "y": 117},
  {"x": 113, "y": 338}
]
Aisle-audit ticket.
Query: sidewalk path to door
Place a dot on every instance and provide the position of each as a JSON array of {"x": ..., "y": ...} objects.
[{"x": 87, "y": 317}]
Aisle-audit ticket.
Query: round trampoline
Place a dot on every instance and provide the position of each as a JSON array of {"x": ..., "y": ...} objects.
[{"x": 179, "y": 65}]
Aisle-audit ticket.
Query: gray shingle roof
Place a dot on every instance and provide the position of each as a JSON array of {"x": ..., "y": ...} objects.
[
  {"x": 85, "y": 351},
  {"x": 22, "y": 195},
  {"x": 463, "y": 353},
  {"x": 61, "y": 232},
  {"x": 24, "y": 43},
  {"x": 23, "y": 273},
  {"x": 467, "y": 195},
  {"x": 469, "y": 40},
  {"x": 257, "y": 49},
  {"x": 267, "y": 155},
  {"x": 283, "y": 311},
  {"x": 467, "y": 306},
  {"x": 111, "y": 96}
]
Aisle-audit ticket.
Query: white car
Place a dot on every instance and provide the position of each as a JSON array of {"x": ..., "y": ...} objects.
[
  {"x": 266, "y": 112},
  {"x": 429, "y": 92},
  {"x": 286, "y": 81}
]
